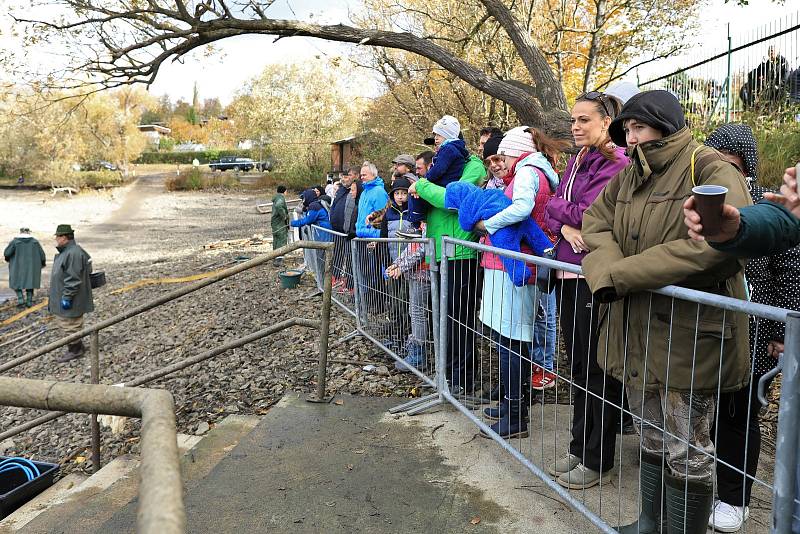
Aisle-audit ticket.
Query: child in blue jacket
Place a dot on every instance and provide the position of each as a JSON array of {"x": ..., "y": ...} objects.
[{"x": 448, "y": 163}]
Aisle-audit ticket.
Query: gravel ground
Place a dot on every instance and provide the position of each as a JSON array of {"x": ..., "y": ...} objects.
[{"x": 155, "y": 234}]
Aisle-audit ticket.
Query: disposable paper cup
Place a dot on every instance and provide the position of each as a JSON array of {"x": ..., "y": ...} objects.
[{"x": 708, "y": 200}]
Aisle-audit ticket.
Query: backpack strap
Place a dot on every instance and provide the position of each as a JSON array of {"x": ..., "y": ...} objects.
[{"x": 699, "y": 163}]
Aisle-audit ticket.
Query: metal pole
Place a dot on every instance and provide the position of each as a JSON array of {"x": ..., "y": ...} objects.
[
  {"x": 728, "y": 88},
  {"x": 358, "y": 297},
  {"x": 787, "y": 439},
  {"x": 94, "y": 358},
  {"x": 325, "y": 320},
  {"x": 444, "y": 291}
]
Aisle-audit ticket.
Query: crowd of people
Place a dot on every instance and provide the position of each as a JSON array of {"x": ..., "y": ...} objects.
[{"x": 622, "y": 210}]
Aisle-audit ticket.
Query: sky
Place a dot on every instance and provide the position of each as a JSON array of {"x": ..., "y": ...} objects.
[{"x": 240, "y": 58}]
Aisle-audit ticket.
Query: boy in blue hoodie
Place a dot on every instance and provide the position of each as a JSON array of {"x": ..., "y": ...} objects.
[{"x": 448, "y": 162}]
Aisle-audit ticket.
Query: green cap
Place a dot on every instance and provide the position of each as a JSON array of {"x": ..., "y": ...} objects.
[{"x": 64, "y": 229}]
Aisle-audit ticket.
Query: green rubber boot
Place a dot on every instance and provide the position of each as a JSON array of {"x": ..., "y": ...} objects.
[
  {"x": 29, "y": 298},
  {"x": 651, "y": 481},
  {"x": 20, "y": 298},
  {"x": 688, "y": 505}
]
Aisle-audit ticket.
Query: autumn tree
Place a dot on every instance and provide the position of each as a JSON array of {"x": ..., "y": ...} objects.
[{"x": 295, "y": 110}]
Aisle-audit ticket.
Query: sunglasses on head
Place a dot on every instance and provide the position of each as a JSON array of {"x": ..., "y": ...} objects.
[{"x": 596, "y": 96}]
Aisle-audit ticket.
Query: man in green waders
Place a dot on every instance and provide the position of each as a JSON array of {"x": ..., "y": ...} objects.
[
  {"x": 280, "y": 221},
  {"x": 25, "y": 258}
]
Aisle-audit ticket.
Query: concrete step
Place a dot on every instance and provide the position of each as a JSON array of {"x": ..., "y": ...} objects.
[
  {"x": 115, "y": 486},
  {"x": 50, "y": 497}
]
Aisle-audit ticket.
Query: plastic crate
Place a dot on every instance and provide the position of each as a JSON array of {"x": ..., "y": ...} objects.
[{"x": 15, "y": 490}]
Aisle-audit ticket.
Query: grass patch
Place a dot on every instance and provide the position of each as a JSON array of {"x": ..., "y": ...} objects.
[{"x": 74, "y": 179}]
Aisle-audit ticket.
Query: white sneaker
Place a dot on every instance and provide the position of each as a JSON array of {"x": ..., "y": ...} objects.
[{"x": 727, "y": 518}]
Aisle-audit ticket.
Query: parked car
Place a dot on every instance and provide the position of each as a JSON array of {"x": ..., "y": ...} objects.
[
  {"x": 226, "y": 163},
  {"x": 99, "y": 166}
]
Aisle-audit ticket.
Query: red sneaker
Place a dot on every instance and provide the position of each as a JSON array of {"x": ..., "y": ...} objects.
[
  {"x": 543, "y": 380},
  {"x": 537, "y": 374}
]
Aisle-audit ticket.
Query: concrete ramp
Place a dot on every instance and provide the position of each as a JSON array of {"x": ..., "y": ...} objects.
[{"x": 333, "y": 468}]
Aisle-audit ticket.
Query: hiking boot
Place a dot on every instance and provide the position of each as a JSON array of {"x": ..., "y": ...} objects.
[
  {"x": 513, "y": 423},
  {"x": 651, "y": 484},
  {"x": 581, "y": 477},
  {"x": 415, "y": 359},
  {"x": 564, "y": 465},
  {"x": 627, "y": 428},
  {"x": 688, "y": 504},
  {"x": 74, "y": 351},
  {"x": 728, "y": 518},
  {"x": 495, "y": 413}
]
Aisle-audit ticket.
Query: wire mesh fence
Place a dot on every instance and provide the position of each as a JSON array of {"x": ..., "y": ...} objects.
[
  {"x": 756, "y": 73},
  {"x": 645, "y": 410}
]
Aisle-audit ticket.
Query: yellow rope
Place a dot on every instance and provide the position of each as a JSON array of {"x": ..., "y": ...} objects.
[
  {"x": 24, "y": 313},
  {"x": 136, "y": 285},
  {"x": 157, "y": 281}
]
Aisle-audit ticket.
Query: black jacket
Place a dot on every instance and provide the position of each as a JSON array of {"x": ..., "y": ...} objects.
[{"x": 344, "y": 210}]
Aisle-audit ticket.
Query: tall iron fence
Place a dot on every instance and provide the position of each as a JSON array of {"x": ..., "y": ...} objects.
[
  {"x": 528, "y": 367},
  {"x": 756, "y": 72}
]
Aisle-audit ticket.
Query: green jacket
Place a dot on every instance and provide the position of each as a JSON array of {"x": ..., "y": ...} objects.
[
  {"x": 70, "y": 280},
  {"x": 25, "y": 258},
  {"x": 766, "y": 229},
  {"x": 638, "y": 241},
  {"x": 280, "y": 214},
  {"x": 443, "y": 222}
]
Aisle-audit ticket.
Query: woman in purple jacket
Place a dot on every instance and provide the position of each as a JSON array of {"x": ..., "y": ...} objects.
[{"x": 595, "y": 420}]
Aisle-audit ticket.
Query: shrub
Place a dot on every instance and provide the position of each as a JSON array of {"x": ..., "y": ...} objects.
[{"x": 196, "y": 180}]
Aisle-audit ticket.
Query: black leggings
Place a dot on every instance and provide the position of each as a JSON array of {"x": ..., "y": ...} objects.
[
  {"x": 596, "y": 396},
  {"x": 737, "y": 434}
]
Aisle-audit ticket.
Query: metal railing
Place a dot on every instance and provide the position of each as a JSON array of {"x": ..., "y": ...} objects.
[
  {"x": 472, "y": 364},
  {"x": 323, "y": 324},
  {"x": 160, "y": 490},
  {"x": 606, "y": 510}
]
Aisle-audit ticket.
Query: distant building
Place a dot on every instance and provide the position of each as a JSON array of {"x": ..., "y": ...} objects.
[
  {"x": 154, "y": 133},
  {"x": 345, "y": 153},
  {"x": 189, "y": 147}
]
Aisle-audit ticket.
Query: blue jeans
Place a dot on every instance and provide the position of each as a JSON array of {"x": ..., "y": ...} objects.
[
  {"x": 514, "y": 364},
  {"x": 544, "y": 331}
]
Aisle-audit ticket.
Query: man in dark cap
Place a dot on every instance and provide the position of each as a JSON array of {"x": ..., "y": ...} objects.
[
  {"x": 673, "y": 370},
  {"x": 70, "y": 289},
  {"x": 25, "y": 258}
]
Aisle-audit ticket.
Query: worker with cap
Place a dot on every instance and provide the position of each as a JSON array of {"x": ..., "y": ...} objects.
[
  {"x": 25, "y": 259},
  {"x": 70, "y": 289}
]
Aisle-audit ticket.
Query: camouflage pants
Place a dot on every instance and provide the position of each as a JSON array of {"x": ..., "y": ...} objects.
[{"x": 679, "y": 426}]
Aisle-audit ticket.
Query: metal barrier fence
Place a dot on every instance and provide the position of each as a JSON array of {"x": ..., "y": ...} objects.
[
  {"x": 399, "y": 313},
  {"x": 559, "y": 413},
  {"x": 565, "y": 430},
  {"x": 757, "y": 72}
]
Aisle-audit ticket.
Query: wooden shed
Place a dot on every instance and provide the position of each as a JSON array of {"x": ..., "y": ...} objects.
[{"x": 345, "y": 153}]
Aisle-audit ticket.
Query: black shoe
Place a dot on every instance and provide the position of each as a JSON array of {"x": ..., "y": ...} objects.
[
  {"x": 627, "y": 428},
  {"x": 409, "y": 234},
  {"x": 74, "y": 351}
]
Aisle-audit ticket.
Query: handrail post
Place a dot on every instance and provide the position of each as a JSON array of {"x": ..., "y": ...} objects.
[
  {"x": 325, "y": 323},
  {"x": 787, "y": 440},
  {"x": 94, "y": 359}
]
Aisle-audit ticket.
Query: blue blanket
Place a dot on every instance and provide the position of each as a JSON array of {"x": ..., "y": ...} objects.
[{"x": 475, "y": 204}]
